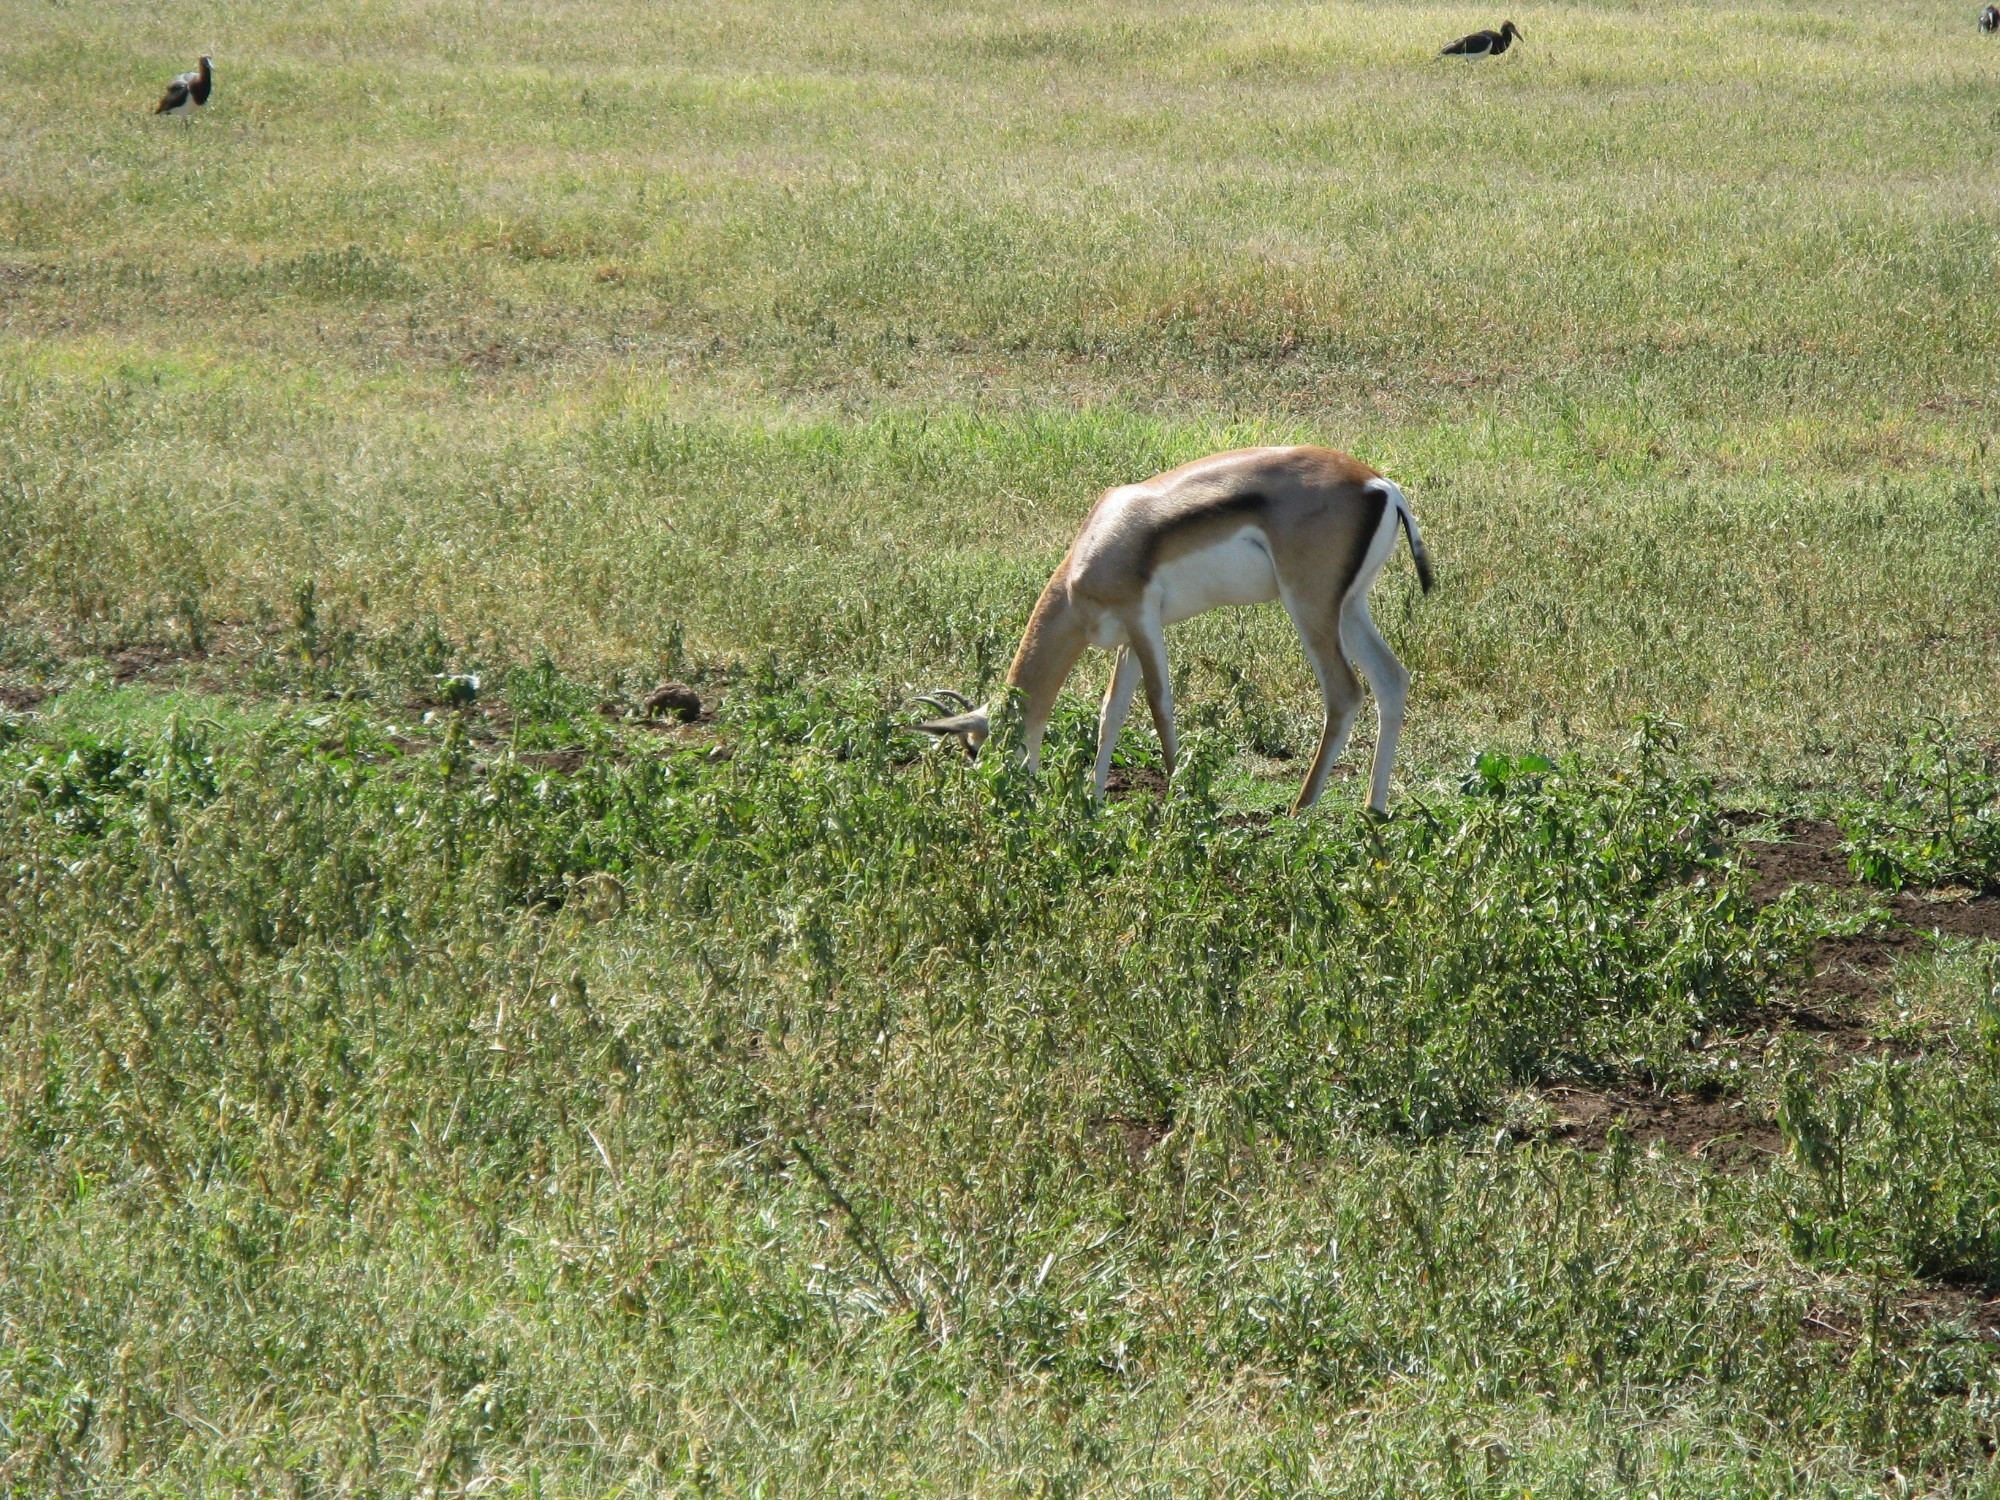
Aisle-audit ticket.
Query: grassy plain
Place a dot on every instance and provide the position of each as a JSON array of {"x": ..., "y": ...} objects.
[{"x": 397, "y": 1099}]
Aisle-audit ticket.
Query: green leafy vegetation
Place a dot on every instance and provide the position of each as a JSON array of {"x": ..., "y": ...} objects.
[
  {"x": 670, "y": 1082},
  {"x": 1935, "y": 820}
]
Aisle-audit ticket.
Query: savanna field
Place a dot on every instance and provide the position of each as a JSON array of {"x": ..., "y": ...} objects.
[{"x": 425, "y": 1073}]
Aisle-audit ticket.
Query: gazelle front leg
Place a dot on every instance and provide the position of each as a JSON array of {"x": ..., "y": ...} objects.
[{"x": 1111, "y": 718}]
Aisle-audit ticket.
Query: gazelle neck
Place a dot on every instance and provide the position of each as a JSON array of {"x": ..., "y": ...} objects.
[{"x": 1055, "y": 638}]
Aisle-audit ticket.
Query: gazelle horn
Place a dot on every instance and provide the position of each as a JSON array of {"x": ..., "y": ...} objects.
[{"x": 970, "y": 727}]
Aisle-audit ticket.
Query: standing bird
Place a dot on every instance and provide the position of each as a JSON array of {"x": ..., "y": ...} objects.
[
  {"x": 1989, "y": 18},
  {"x": 1483, "y": 43},
  {"x": 186, "y": 93}
]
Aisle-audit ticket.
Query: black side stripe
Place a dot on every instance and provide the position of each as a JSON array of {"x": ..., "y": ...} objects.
[{"x": 1246, "y": 504}]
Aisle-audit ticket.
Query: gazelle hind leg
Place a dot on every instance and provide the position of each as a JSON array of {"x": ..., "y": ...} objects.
[
  {"x": 1111, "y": 718},
  {"x": 1339, "y": 688},
  {"x": 1389, "y": 680},
  {"x": 1147, "y": 641}
]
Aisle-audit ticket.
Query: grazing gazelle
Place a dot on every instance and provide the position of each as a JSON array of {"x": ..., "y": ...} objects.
[{"x": 1306, "y": 526}]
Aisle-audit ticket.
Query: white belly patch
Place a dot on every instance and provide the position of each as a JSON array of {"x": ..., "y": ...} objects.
[{"x": 1236, "y": 571}]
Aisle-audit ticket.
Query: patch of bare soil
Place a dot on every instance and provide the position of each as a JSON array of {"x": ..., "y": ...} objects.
[
  {"x": 222, "y": 642},
  {"x": 502, "y": 356},
  {"x": 1714, "y": 1126},
  {"x": 1975, "y": 917},
  {"x": 564, "y": 762},
  {"x": 1919, "y": 1308},
  {"x": 1127, "y": 781},
  {"x": 1251, "y": 819},
  {"x": 1810, "y": 854},
  {"x": 485, "y": 719},
  {"x": 667, "y": 716},
  {"x": 1134, "y": 1135},
  {"x": 1839, "y": 1032},
  {"x": 570, "y": 759},
  {"x": 17, "y": 276},
  {"x": 1943, "y": 1301},
  {"x": 1843, "y": 984},
  {"x": 130, "y": 663},
  {"x": 143, "y": 662},
  {"x": 148, "y": 661},
  {"x": 1849, "y": 971}
]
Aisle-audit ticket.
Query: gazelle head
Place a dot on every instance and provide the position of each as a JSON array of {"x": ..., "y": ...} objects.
[{"x": 970, "y": 725}]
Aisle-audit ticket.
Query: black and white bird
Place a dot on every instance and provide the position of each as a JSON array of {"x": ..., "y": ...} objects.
[
  {"x": 187, "y": 93},
  {"x": 1483, "y": 43},
  {"x": 1989, "y": 18}
]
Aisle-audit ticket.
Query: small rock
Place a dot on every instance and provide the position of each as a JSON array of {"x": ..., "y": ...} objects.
[{"x": 675, "y": 698}]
